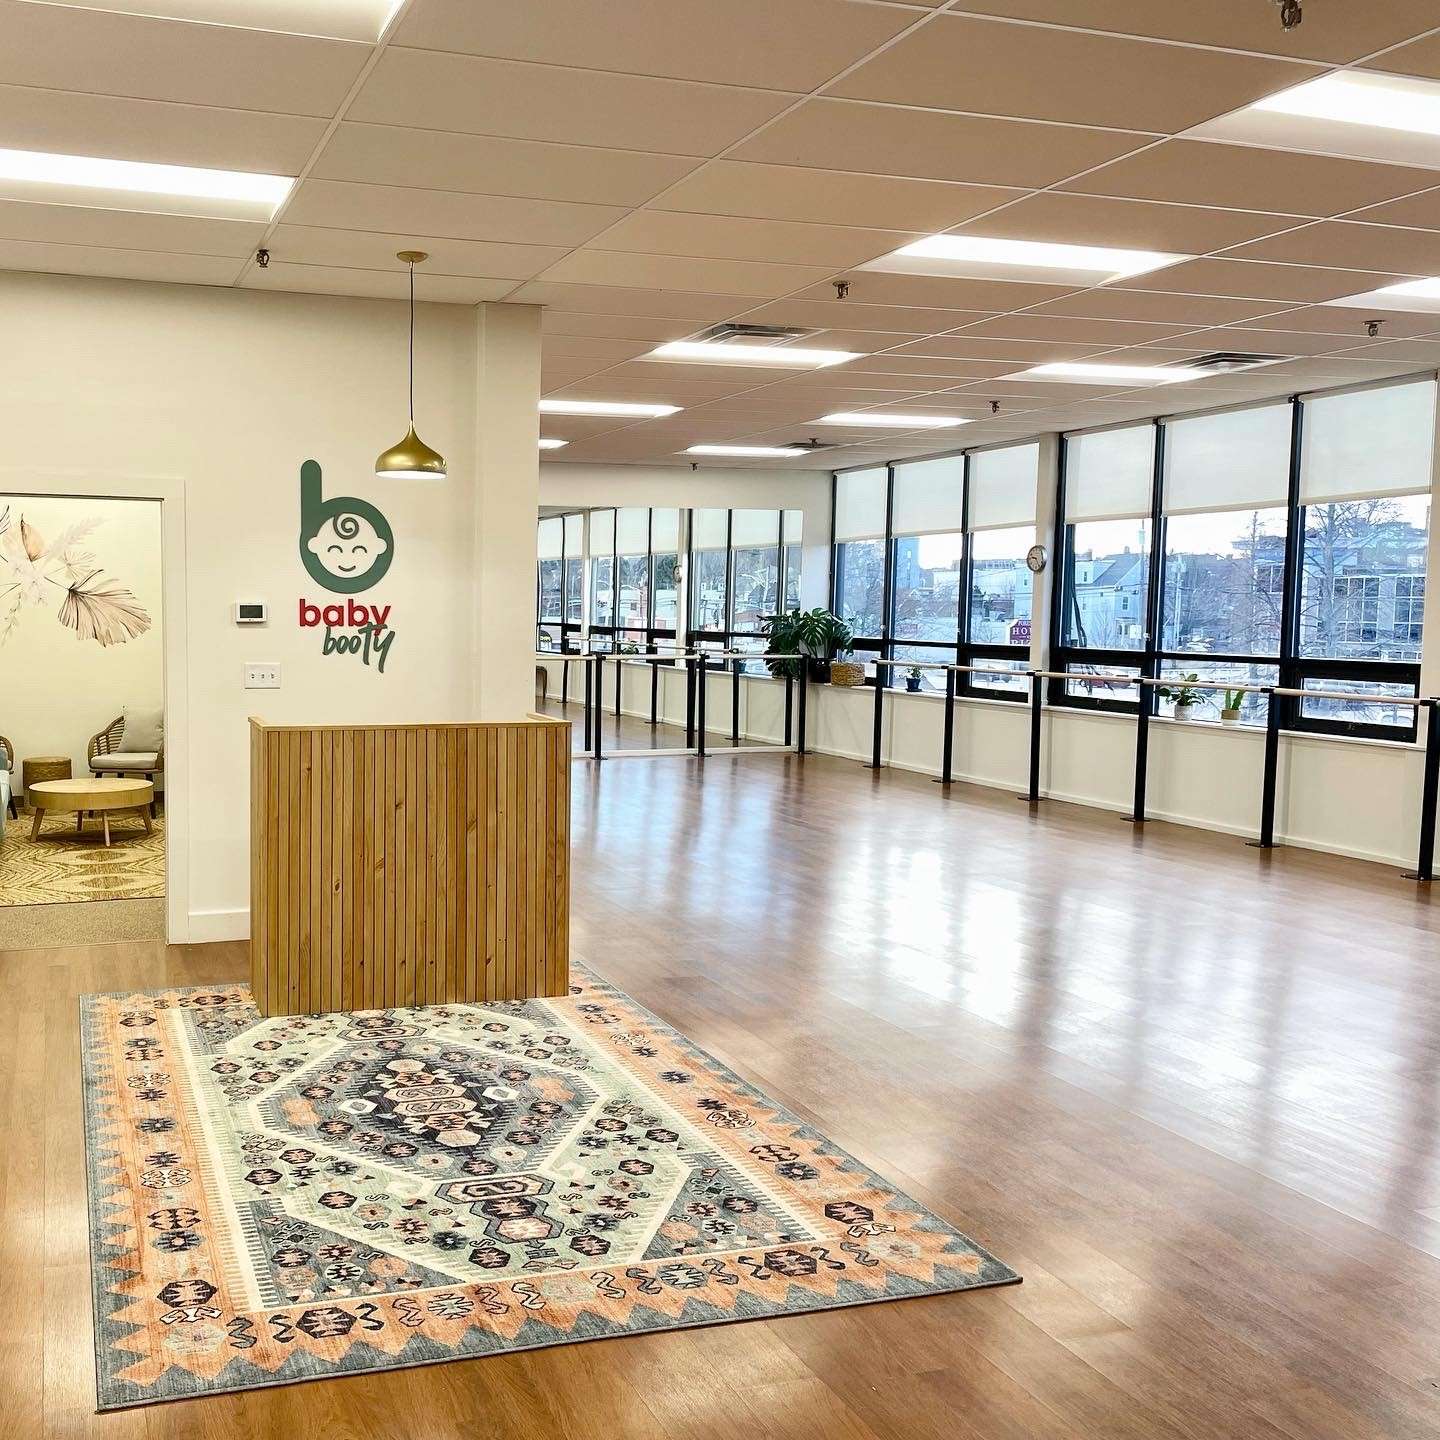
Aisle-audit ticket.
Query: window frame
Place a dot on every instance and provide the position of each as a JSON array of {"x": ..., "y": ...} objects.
[
  {"x": 728, "y": 637},
  {"x": 1293, "y": 668}
]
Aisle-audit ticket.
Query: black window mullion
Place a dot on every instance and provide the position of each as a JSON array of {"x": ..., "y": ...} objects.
[
  {"x": 1294, "y": 568},
  {"x": 967, "y": 579},
  {"x": 887, "y": 593},
  {"x": 1060, "y": 573}
]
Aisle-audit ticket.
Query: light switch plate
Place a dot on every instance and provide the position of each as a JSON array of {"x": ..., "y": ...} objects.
[{"x": 262, "y": 675}]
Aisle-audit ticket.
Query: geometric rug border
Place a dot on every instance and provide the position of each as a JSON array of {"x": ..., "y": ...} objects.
[{"x": 115, "y": 1393}]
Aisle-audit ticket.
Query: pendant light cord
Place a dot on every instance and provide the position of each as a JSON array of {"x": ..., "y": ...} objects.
[{"x": 412, "y": 344}]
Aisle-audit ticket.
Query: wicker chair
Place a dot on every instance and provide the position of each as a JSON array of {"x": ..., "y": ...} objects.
[
  {"x": 8, "y": 751},
  {"x": 107, "y": 755}
]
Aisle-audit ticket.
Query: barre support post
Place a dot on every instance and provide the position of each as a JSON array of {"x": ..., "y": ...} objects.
[
  {"x": 879, "y": 722},
  {"x": 1272, "y": 766},
  {"x": 1425, "y": 857}
]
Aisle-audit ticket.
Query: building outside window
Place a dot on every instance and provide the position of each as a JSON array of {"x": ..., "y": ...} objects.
[{"x": 743, "y": 565}]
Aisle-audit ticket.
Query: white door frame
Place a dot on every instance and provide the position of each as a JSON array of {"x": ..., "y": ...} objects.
[{"x": 170, "y": 492}]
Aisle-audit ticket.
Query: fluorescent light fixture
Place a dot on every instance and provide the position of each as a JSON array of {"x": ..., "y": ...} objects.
[
  {"x": 747, "y": 452},
  {"x": 982, "y": 257},
  {"x": 886, "y": 420},
  {"x": 1418, "y": 296},
  {"x": 623, "y": 408},
  {"x": 1385, "y": 102},
  {"x": 1080, "y": 372},
  {"x": 548, "y": 442},
  {"x": 703, "y": 352},
  {"x": 36, "y": 175}
]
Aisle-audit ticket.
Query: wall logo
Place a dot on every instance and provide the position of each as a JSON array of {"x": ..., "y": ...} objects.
[{"x": 347, "y": 546}]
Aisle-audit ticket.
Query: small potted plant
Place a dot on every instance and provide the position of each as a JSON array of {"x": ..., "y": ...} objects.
[
  {"x": 1230, "y": 714},
  {"x": 1184, "y": 696},
  {"x": 913, "y": 676}
]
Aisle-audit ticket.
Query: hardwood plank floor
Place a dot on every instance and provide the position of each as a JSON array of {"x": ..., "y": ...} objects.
[{"x": 1188, "y": 1089}]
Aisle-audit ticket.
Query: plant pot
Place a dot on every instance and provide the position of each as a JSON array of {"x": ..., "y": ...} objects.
[
  {"x": 819, "y": 672},
  {"x": 912, "y": 684},
  {"x": 846, "y": 672},
  {"x": 1184, "y": 712},
  {"x": 1229, "y": 717}
]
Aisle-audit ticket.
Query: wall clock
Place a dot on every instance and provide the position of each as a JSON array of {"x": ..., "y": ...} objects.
[{"x": 1035, "y": 558}]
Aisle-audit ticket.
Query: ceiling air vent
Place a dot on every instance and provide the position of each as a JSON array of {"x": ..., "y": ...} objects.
[
  {"x": 1220, "y": 362},
  {"x": 736, "y": 330}
]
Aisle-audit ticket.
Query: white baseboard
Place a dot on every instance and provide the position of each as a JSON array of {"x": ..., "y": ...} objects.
[{"x": 207, "y": 926}]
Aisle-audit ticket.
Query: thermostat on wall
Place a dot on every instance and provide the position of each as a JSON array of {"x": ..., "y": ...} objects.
[{"x": 250, "y": 612}]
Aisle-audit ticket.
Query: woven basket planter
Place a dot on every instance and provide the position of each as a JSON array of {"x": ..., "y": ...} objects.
[{"x": 846, "y": 672}]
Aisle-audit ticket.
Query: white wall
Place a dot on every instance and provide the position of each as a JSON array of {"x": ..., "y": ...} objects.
[
  {"x": 220, "y": 395},
  {"x": 57, "y": 689}
]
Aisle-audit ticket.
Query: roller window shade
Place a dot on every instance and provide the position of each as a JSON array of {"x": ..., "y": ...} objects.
[
  {"x": 1367, "y": 443},
  {"x": 860, "y": 504},
  {"x": 708, "y": 529},
  {"x": 930, "y": 497},
  {"x": 754, "y": 529},
  {"x": 574, "y": 536},
  {"x": 1109, "y": 475},
  {"x": 664, "y": 531},
  {"x": 793, "y": 526},
  {"x": 632, "y": 530},
  {"x": 602, "y": 532},
  {"x": 1237, "y": 461},
  {"x": 1002, "y": 487},
  {"x": 551, "y": 538}
]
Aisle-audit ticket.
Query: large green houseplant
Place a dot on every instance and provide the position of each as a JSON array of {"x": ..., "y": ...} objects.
[{"x": 815, "y": 633}]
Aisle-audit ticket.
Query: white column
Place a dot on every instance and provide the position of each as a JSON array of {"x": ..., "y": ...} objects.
[{"x": 507, "y": 504}]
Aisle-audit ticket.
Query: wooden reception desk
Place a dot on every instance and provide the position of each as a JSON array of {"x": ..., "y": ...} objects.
[{"x": 408, "y": 864}]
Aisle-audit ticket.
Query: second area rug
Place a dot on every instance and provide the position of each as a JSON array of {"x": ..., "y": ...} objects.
[{"x": 279, "y": 1200}]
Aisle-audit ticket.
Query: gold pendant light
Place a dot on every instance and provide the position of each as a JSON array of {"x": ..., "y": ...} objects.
[{"x": 412, "y": 458}]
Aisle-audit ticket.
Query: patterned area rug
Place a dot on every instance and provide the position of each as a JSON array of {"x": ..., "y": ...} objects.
[
  {"x": 306, "y": 1196},
  {"x": 64, "y": 866}
]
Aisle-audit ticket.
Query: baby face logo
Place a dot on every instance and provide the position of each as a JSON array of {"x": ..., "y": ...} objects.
[{"x": 346, "y": 545}]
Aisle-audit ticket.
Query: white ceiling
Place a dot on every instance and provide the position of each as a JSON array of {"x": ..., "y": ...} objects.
[{"x": 643, "y": 168}]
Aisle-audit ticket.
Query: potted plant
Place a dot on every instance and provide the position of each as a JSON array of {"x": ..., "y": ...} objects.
[
  {"x": 782, "y": 637},
  {"x": 817, "y": 634},
  {"x": 1184, "y": 696},
  {"x": 1230, "y": 714},
  {"x": 913, "y": 676}
]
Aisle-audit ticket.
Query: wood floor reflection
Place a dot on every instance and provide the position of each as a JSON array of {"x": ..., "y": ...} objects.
[{"x": 1186, "y": 1088}]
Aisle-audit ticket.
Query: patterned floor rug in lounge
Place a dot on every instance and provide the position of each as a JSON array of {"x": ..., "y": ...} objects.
[
  {"x": 64, "y": 865},
  {"x": 285, "y": 1199}
]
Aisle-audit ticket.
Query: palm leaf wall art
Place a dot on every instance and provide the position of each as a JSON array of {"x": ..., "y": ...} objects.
[{"x": 94, "y": 605}]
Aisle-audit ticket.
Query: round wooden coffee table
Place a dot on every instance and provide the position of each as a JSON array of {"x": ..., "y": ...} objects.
[{"x": 106, "y": 797}]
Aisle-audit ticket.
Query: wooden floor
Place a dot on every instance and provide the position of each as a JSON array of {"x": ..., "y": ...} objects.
[{"x": 1188, "y": 1089}]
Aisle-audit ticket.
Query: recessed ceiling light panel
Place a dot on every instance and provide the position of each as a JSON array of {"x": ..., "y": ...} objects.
[
  {"x": 623, "y": 408},
  {"x": 747, "y": 452},
  {"x": 982, "y": 257},
  {"x": 36, "y": 175},
  {"x": 333, "y": 19},
  {"x": 548, "y": 442},
  {"x": 1417, "y": 296},
  {"x": 793, "y": 357},
  {"x": 1080, "y": 373},
  {"x": 886, "y": 420},
  {"x": 1376, "y": 117}
]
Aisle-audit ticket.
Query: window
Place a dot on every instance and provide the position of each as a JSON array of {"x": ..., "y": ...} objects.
[
  {"x": 1324, "y": 592},
  {"x": 927, "y": 579},
  {"x": 861, "y": 506},
  {"x": 754, "y": 568},
  {"x": 741, "y": 562},
  {"x": 602, "y": 578},
  {"x": 710, "y": 571},
  {"x": 550, "y": 539},
  {"x": 665, "y": 572},
  {"x": 792, "y": 526},
  {"x": 574, "y": 546}
]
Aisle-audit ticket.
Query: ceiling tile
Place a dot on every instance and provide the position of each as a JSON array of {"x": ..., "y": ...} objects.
[
  {"x": 1421, "y": 211},
  {"x": 1070, "y": 330},
  {"x": 482, "y": 164},
  {"x": 1421, "y": 352},
  {"x": 592, "y": 347},
  {"x": 794, "y": 46},
  {"x": 933, "y": 292},
  {"x": 1104, "y": 302},
  {"x": 376, "y": 284},
  {"x": 545, "y": 102},
  {"x": 1342, "y": 320},
  {"x": 617, "y": 300},
  {"x": 1134, "y": 224},
  {"x": 1329, "y": 32},
  {"x": 1420, "y": 58},
  {"x": 962, "y": 346},
  {"x": 353, "y": 20},
  {"x": 119, "y": 264},
  {"x": 1253, "y": 279},
  {"x": 835, "y": 247},
  {"x": 366, "y": 250},
  {"x": 883, "y": 140},
  {"x": 1341, "y": 243},
  {"x": 829, "y": 197},
  {"x": 343, "y": 205},
  {"x": 906, "y": 319},
  {"x": 612, "y": 327},
  {"x": 932, "y": 368},
  {"x": 1198, "y": 172},
  {"x": 60, "y": 47},
  {"x": 993, "y": 68},
  {"x": 1268, "y": 342},
  {"x": 680, "y": 272},
  {"x": 128, "y": 229},
  {"x": 109, "y": 126}
]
